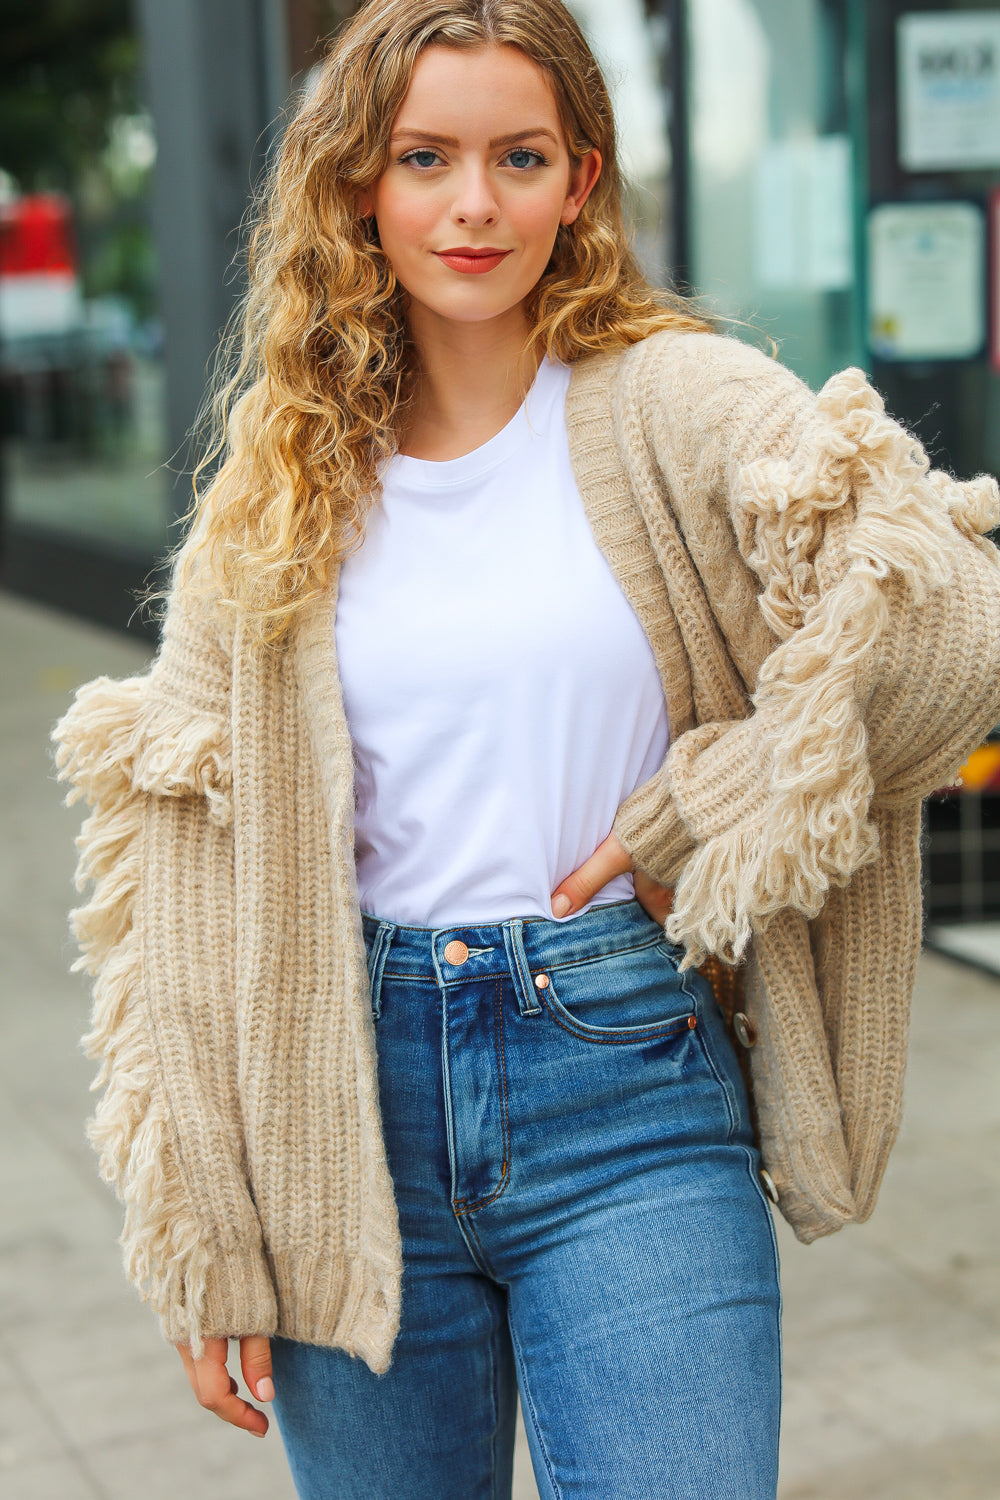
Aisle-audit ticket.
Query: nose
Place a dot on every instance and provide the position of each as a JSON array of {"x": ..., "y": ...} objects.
[{"x": 475, "y": 202}]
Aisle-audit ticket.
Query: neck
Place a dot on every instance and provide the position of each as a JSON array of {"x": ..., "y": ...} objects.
[{"x": 472, "y": 379}]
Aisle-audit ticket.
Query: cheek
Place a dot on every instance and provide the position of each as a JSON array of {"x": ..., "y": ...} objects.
[
  {"x": 403, "y": 220},
  {"x": 538, "y": 222}
]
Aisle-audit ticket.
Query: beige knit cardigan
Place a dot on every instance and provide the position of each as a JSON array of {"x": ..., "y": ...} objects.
[{"x": 825, "y": 616}]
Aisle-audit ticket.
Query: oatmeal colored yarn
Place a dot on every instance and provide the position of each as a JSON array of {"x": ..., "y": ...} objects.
[{"x": 825, "y": 615}]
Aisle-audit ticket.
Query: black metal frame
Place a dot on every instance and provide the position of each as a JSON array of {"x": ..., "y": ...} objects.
[
  {"x": 943, "y": 402},
  {"x": 676, "y": 84}
]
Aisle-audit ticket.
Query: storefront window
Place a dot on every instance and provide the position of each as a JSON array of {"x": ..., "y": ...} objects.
[
  {"x": 773, "y": 231},
  {"x": 80, "y": 339},
  {"x": 629, "y": 40}
]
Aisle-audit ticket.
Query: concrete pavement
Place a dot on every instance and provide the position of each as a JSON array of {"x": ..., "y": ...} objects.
[
  {"x": 892, "y": 1330},
  {"x": 974, "y": 942}
]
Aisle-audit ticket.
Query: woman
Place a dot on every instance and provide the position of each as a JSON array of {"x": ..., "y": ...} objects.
[{"x": 519, "y": 598}]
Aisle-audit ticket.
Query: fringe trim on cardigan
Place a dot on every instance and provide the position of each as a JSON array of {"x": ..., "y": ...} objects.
[
  {"x": 816, "y": 832},
  {"x": 116, "y": 744},
  {"x": 123, "y": 729}
]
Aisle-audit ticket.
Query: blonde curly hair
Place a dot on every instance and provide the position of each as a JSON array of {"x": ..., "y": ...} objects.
[{"x": 317, "y": 361}]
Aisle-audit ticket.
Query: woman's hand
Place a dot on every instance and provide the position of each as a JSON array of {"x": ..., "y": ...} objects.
[
  {"x": 608, "y": 860},
  {"x": 217, "y": 1390}
]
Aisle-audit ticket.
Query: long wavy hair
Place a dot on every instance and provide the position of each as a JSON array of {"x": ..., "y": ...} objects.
[{"x": 316, "y": 362}]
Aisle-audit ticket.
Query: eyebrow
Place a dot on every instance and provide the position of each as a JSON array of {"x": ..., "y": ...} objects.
[{"x": 498, "y": 140}]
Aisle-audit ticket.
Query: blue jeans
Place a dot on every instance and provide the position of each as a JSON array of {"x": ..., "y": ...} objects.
[{"x": 568, "y": 1135}]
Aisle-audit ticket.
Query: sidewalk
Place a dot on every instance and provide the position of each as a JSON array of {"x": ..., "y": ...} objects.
[
  {"x": 892, "y": 1330},
  {"x": 974, "y": 942}
]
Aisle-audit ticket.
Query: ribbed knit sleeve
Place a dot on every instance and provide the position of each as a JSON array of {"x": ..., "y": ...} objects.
[
  {"x": 151, "y": 756},
  {"x": 711, "y": 780},
  {"x": 817, "y": 518}
]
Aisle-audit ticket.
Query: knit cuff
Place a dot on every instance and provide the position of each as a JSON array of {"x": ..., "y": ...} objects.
[
  {"x": 717, "y": 778},
  {"x": 711, "y": 782},
  {"x": 237, "y": 1299},
  {"x": 650, "y": 827}
]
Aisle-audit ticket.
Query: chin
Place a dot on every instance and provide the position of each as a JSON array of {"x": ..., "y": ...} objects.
[{"x": 468, "y": 310}]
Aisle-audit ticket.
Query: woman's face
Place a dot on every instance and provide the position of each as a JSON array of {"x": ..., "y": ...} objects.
[{"x": 478, "y": 182}]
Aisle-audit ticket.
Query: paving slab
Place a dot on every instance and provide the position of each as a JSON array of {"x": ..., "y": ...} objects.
[
  {"x": 975, "y": 942},
  {"x": 891, "y": 1329}
]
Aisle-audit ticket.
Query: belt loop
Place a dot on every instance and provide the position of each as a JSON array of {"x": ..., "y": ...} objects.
[
  {"x": 518, "y": 961},
  {"x": 376, "y": 963}
]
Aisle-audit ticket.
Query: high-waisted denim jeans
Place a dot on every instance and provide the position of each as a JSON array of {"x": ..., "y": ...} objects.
[{"x": 568, "y": 1135}]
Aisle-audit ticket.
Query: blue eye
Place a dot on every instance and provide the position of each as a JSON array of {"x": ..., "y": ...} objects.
[
  {"x": 522, "y": 158},
  {"x": 423, "y": 157}
]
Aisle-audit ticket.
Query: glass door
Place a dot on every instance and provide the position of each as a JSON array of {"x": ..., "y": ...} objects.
[{"x": 775, "y": 148}]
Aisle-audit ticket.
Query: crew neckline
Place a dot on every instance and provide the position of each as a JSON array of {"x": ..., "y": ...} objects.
[{"x": 446, "y": 473}]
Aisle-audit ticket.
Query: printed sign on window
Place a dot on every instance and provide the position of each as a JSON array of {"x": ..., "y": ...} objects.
[
  {"x": 927, "y": 275},
  {"x": 948, "y": 66}
]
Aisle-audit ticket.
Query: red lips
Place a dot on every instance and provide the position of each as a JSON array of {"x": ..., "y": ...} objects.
[{"x": 472, "y": 262}]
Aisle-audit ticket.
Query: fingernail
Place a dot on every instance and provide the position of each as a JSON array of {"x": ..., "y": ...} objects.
[
  {"x": 265, "y": 1389},
  {"x": 561, "y": 906}
]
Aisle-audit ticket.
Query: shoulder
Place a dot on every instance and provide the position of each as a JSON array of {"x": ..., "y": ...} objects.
[
  {"x": 715, "y": 380},
  {"x": 683, "y": 359},
  {"x": 706, "y": 372},
  {"x": 698, "y": 401},
  {"x": 691, "y": 355}
]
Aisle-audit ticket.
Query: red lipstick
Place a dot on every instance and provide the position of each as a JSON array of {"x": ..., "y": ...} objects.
[{"x": 472, "y": 262}]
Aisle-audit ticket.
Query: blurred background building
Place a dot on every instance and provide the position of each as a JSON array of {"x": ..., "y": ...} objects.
[{"x": 826, "y": 170}]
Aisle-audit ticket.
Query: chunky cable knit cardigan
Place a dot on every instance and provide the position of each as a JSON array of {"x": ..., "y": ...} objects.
[{"x": 826, "y": 619}]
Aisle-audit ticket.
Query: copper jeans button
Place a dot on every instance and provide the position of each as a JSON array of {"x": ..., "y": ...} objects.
[{"x": 456, "y": 952}]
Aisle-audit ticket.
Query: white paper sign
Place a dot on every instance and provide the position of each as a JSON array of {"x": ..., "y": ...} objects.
[
  {"x": 949, "y": 89},
  {"x": 927, "y": 269}
]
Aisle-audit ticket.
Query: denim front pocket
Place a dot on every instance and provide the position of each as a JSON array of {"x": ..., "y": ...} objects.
[{"x": 635, "y": 995}]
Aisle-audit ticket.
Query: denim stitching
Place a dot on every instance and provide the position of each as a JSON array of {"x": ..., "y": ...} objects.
[
  {"x": 749, "y": 1154},
  {"x": 419, "y": 978},
  {"x": 616, "y": 1036},
  {"x": 461, "y": 1205},
  {"x": 468, "y": 1228},
  {"x": 525, "y": 977},
  {"x": 596, "y": 958},
  {"x": 517, "y": 961},
  {"x": 381, "y": 945},
  {"x": 526, "y": 1396},
  {"x": 671, "y": 1028},
  {"x": 494, "y": 1369},
  {"x": 449, "y": 1112},
  {"x": 721, "y": 1080}
]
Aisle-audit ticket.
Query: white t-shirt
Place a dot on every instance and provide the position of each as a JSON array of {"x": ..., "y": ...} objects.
[{"x": 501, "y": 695}]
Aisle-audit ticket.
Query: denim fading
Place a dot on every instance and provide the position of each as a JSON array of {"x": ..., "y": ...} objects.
[{"x": 569, "y": 1139}]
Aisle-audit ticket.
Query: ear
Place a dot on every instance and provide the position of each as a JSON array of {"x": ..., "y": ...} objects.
[
  {"x": 365, "y": 203},
  {"x": 581, "y": 185}
]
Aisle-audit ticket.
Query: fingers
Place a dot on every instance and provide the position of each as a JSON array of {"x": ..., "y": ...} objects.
[
  {"x": 255, "y": 1361},
  {"x": 656, "y": 900},
  {"x": 608, "y": 860},
  {"x": 216, "y": 1389},
  {"x": 184, "y": 1350}
]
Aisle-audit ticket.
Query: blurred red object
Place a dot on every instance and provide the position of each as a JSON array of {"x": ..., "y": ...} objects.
[
  {"x": 40, "y": 297},
  {"x": 36, "y": 236}
]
